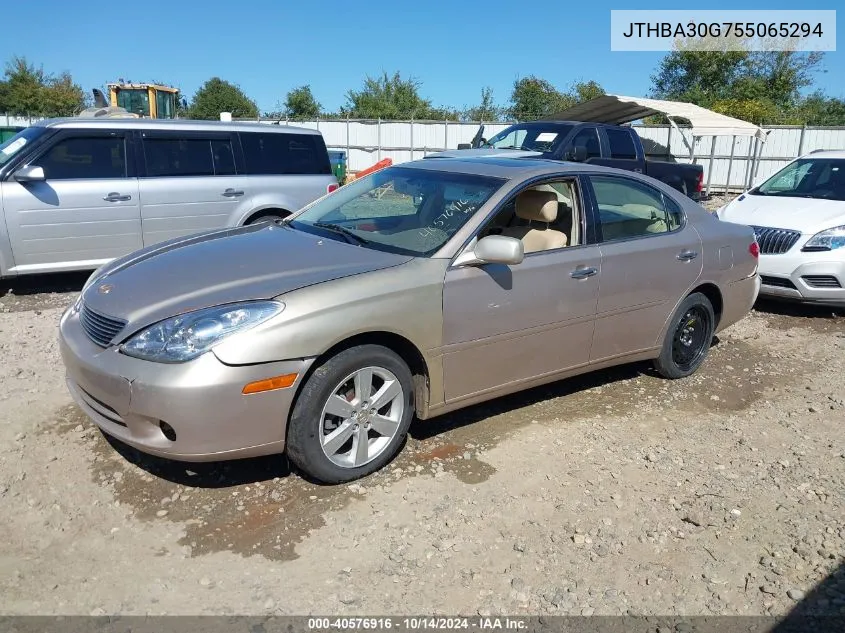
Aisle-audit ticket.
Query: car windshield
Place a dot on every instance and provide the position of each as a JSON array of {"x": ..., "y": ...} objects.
[
  {"x": 399, "y": 209},
  {"x": 14, "y": 145},
  {"x": 531, "y": 137},
  {"x": 807, "y": 178}
]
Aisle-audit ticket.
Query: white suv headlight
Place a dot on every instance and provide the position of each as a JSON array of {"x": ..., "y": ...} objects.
[
  {"x": 184, "y": 337},
  {"x": 827, "y": 240}
]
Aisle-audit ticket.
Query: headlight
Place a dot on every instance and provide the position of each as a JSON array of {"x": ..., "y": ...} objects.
[
  {"x": 184, "y": 337},
  {"x": 828, "y": 240}
]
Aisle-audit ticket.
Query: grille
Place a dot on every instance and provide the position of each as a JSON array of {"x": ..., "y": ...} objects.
[
  {"x": 100, "y": 328},
  {"x": 778, "y": 282},
  {"x": 775, "y": 241},
  {"x": 822, "y": 281}
]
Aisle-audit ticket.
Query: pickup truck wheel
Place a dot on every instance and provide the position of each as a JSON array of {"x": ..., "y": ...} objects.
[
  {"x": 688, "y": 338},
  {"x": 352, "y": 415}
]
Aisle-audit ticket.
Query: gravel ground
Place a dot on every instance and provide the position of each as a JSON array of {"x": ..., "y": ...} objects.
[{"x": 613, "y": 493}]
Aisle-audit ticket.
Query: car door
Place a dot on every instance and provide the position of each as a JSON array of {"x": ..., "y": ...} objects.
[
  {"x": 621, "y": 150},
  {"x": 650, "y": 260},
  {"x": 190, "y": 183},
  {"x": 509, "y": 324},
  {"x": 85, "y": 211}
]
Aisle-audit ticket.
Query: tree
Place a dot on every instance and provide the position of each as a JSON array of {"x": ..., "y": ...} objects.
[
  {"x": 756, "y": 86},
  {"x": 533, "y": 98},
  {"x": 487, "y": 110},
  {"x": 216, "y": 96},
  {"x": 300, "y": 103},
  {"x": 391, "y": 97},
  {"x": 819, "y": 109},
  {"x": 27, "y": 90}
]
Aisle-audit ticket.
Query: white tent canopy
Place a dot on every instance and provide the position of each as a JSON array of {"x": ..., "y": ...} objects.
[{"x": 617, "y": 109}]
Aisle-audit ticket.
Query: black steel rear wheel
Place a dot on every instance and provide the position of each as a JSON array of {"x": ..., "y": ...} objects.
[{"x": 688, "y": 338}]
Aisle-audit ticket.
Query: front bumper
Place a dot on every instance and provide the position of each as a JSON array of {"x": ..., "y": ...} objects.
[
  {"x": 201, "y": 400},
  {"x": 812, "y": 277}
]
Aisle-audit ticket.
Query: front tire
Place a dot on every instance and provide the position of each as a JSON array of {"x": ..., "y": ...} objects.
[
  {"x": 688, "y": 338},
  {"x": 352, "y": 415}
]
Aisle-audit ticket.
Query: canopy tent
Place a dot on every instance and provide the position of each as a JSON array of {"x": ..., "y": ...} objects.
[{"x": 617, "y": 109}]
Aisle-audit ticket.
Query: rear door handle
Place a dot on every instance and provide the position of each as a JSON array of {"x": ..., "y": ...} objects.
[
  {"x": 582, "y": 272},
  {"x": 231, "y": 193},
  {"x": 116, "y": 197},
  {"x": 686, "y": 256}
]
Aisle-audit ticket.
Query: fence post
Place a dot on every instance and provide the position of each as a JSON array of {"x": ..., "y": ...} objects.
[
  {"x": 753, "y": 163},
  {"x": 445, "y": 134},
  {"x": 379, "y": 139},
  {"x": 748, "y": 162},
  {"x": 412, "y": 137},
  {"x": 669, "y": 143},
  {"x": 730, "y": 165},
  {"x": 710, "y": 166},
  {"x": 801, "y": 140},
  {"x": 757, "y": 161}
]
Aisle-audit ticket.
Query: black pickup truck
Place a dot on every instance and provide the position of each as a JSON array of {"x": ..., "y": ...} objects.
[{"x": 595, "y": 143}]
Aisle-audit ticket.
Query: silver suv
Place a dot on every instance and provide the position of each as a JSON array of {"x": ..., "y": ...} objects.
[{"x": 76, "y": 193}]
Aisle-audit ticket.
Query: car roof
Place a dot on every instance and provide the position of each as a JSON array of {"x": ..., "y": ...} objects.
[
  {"x": 170, "y": 124},
  {"x": 825, "y": 153},
  {"x": 503, "y": 167}
]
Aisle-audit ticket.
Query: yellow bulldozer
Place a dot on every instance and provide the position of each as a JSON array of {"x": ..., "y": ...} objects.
[{"x": 130, "y": 100}]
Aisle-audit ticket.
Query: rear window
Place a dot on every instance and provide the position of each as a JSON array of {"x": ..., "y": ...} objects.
[
  {"x": 621, "y": 144},
  {"x": 188, "y": 157},
  {"x": 280, "y": 153}
]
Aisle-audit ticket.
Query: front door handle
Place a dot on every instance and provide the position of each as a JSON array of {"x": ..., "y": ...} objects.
[
  {"x": 231, "y": 193},
  {"x": 582, "y": 272},
  {"x": 114, "y": 196},
  {"x": 686, "y": 256}
]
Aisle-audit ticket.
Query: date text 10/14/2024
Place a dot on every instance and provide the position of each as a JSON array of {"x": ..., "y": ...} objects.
[{"x": 481, "y": 623}]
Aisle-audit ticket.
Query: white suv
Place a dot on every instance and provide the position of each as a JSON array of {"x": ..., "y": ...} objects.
[{"x": 798, "y": 216}]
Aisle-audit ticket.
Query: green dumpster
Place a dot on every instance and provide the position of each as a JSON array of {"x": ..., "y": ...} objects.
[
  {"x": 8, "y": 132},
  {"x": 338, "y": 160}
]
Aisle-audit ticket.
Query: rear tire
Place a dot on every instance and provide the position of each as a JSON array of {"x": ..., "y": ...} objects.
[
  {"x": 363, "y": 394},
  {"x": 688, "y": 338}
]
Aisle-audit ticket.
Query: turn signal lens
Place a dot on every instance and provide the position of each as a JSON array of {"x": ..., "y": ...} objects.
[{"x": 269, "y": 384}]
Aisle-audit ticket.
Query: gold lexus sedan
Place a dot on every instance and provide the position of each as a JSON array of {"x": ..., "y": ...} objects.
[{"x": 414, "y": 291}]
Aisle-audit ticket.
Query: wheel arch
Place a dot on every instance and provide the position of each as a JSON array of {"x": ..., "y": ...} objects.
[
  {"x": 709, "y": 290},
  {"x": 401, "y": 346},
  {"x": 257, "y": 213}
]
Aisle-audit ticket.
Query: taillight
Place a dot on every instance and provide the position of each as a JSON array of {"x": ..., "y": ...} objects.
[
  {"x": 754, "y": 249},
  {"x": 332, "y": 187},
  {"x": 700, "y": 186}
]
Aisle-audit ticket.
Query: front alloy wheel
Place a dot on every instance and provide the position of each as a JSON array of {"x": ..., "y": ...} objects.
[
  {"x": 361, "y": 417},
  {"x": 352, "y": 414}
]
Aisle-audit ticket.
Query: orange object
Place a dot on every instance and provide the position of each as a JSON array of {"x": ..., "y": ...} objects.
[
  {"x": 387, "y": 162},
  {"x": 268, "y": 384}
]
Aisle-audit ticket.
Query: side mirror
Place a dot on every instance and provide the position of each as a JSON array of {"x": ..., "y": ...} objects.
[
  {"x": 464, "y": 145},
  {"x": 30, "y": 173},
  {"x": 577, "y": 154},
  {"x": 493, "y": 249}
]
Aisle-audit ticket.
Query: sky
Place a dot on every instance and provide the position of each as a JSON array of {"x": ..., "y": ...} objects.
[{"x": 453, "y": 48}]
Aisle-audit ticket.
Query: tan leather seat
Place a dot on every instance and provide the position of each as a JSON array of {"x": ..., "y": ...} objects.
[{"x": 541, "y": 207}]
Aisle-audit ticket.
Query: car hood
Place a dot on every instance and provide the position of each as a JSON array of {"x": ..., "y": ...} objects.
[
  {"x": 489, "y": 152},
  {"x": 807, "y": 215},
  {"x": 254, "y": 262}
]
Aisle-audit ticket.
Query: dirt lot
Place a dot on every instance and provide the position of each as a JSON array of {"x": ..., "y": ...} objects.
[{"x": 615, "y": 493}]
